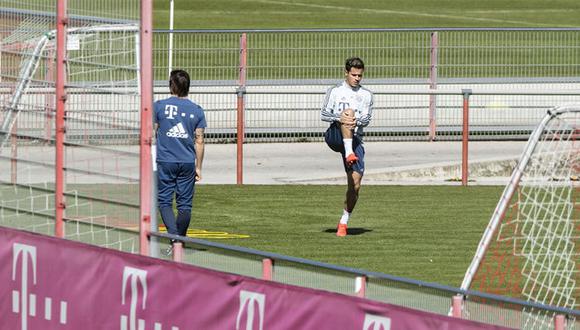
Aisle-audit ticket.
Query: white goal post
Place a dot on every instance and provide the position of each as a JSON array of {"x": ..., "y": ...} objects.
[{"x": 531, "y": 245}]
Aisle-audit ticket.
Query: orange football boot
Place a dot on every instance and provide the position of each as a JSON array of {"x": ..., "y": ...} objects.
[
  {"x": 351, "y": 159},
  {"x": 341, "y": 230}
]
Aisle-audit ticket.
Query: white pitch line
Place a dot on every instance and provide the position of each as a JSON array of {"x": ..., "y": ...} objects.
[
  {"x": 398, "y": 12},
  {"x": 232, "y": 12},
  {"x": 510, "y": 11}
]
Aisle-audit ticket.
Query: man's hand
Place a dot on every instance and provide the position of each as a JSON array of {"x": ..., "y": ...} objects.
[
  {"x": 197, "y": 174},
  {"x": 347, "y": 121}
]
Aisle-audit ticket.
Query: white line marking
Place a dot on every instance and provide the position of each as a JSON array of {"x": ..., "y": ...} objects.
[
  {"x": 399, "y": 12},
  {"x": 530, "y": 11}
]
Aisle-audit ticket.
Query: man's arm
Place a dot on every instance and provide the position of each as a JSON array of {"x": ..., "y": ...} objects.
[
  {"x": 155, "y": 120},
  {"x": 366, "y": 114},
  {"x": 327, "y": 113},
  {"x": 199, "y": 146}
]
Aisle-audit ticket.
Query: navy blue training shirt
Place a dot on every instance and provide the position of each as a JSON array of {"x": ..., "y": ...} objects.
[{"x": 178, "y": 118}]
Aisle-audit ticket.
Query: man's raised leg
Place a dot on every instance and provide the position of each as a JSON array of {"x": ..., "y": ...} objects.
[{"x": 347, "y": 131}]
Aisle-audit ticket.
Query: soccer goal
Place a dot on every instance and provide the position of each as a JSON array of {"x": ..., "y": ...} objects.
[
  {"x": 102, "y": 84},
  {"x": 531, "y": 246},
  {"x": 101, "y": 155}
]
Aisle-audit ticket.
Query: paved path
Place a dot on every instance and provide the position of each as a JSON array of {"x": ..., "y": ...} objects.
[
  {"x": 287, "y": 163},
  {"x": 386, "y": 162}
]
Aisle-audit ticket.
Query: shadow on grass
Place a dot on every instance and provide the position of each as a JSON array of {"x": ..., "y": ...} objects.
[{"x": 351, "y": 231}]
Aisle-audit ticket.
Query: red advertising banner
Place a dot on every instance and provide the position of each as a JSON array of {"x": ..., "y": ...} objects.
[{"x": 52, "y": 283}]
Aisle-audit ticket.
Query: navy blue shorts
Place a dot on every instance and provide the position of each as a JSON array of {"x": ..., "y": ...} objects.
[
  {"x": 178, "y": 179},
  {"x": 333, "y": 138}
]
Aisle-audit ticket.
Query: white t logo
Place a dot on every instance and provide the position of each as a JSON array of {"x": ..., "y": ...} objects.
[
  {"x": 170, "y": 111},
  {"x": 28, "y": 253},
  {"x": 247, "y": 298},
  {"x": 376, "y": 322},
  {"x": 136, "y": 276},
  {"x": 25, "y": 302}
]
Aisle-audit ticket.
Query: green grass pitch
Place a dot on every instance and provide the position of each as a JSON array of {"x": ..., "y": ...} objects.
[
  {"x": 424, "y": 232},
  {"x": 269, "y": 14},
  {"x": 428, "y": 233}
]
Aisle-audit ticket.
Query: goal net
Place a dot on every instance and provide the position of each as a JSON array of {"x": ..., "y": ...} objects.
[
  {"x": 102, "y": 127},
  {"x": 531, "y": 246}
]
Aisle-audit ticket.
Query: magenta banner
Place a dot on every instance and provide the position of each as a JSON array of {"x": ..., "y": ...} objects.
[{"x": 51, "y": 283}]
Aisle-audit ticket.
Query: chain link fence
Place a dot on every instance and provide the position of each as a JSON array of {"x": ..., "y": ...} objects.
[
  {"x": 417, "y": 76},
  {"x": 283, "y": 75}
]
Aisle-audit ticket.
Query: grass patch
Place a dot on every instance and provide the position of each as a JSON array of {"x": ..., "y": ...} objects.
[
  {"x": 256, "y": 14},
  {"x": 423, "y": 232}
]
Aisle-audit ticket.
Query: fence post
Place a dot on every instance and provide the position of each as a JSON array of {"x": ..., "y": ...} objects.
[
  {"x": 241, "y": 91},
  {"x": 60, "y": 94},
  {"x": 465, "y": 137},
  {"x": 146, "y": 129},
  {"x": 360, "y": 286},
  {"x": 49, "y": 105},
  {"x": 267, "y": 269},
  {"x": 154, "y": 221},
  {"x": 457, "y": 306},
  {"x": 177, "y": 251},
  {"x": 170, "y": 51},
  {"x": 559, "y": 322},
  {"x": 433, "y": 86},
  {"x": 14, "y": 153}
]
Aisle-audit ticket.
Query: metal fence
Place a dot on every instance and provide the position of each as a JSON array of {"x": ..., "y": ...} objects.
[
  {"x": 281, "y": 76},
  {"x": 400, "y": 114},
  {"x": 425, "y": 296},
  {"x": 424, "y": 56},
  {"x": 417, "y": 75},
  {"x": 102, "y": 90}
]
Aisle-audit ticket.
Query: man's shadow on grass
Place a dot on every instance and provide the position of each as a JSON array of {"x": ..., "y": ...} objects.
[{"x": 350, "y": 231}]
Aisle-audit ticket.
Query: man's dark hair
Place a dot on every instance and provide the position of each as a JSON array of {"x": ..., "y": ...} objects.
[
  {"x": 179, "y": 83},
  {"x": 354, "y": 62}
]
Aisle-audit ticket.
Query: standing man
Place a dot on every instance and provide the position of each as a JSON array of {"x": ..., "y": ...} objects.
[
  {"x": 180, "y": 125},
  {"x": 348, "y": 108}
]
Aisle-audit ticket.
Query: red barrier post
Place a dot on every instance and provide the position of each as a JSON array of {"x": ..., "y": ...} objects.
[
  {"x": 465, "y": 138},
  {"x": 61, "y": 26},
  {"x": 457, "y": 306},
  {"x": 178, "y": 251},
  {"x": 559, "y": 322},
  {"x": 267, "y": 269},
  {"x": 360, "y": 286},
  {"x": 240, "y": 111},
  {"x": 146, "y": 129}
]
